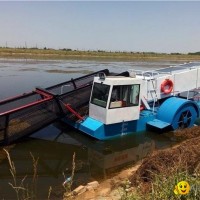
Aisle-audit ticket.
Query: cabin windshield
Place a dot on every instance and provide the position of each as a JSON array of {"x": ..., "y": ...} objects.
[
  {"x": 100, "y": 94},
  {"x": 125, "y": 96}
]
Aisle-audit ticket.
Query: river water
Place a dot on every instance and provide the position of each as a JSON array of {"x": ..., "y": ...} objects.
[{"x": 56, "y": 144}]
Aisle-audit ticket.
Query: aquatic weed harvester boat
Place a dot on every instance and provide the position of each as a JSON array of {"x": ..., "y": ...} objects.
[{"x": 104, "y": 105}]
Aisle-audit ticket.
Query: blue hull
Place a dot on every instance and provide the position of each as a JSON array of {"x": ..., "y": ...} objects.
[
  {"x": 172, "y": 114},
  {"x": 100, "y": 131}
]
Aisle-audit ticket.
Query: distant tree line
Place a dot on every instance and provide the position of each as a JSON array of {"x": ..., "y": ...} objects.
[{"x": 195, "y": 53}]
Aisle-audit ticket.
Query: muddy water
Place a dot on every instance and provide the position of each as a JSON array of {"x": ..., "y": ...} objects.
[{"x": 56, "y": 144}]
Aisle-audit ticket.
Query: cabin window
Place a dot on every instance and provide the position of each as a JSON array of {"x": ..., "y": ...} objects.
[
  {"x": 100, "y": 94},
  {"x": 125, "y": 96}
]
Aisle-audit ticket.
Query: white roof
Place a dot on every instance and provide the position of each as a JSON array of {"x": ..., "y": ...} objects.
[{"x": 167, "y": 71}]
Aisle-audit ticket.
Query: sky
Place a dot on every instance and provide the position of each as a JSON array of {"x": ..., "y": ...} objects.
[{"x": 138, "y": 26}]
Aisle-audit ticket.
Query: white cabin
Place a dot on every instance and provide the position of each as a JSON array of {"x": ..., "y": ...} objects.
[{"x": 115, "y": 99}]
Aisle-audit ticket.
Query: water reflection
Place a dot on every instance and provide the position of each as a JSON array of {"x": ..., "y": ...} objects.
[
  {"x": 94, "y": 159},
  {"x": 111, "y": 159},
  {"x": 54, "y": 159},
  {"x": 111, "y": 156},
  {"x": 100, "y": 157}
]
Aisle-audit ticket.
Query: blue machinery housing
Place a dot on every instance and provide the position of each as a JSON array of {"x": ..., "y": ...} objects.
[{"x": 172, "y": 114}]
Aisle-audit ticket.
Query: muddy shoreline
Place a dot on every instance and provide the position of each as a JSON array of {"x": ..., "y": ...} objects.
[{"x": 184, "y": 156}]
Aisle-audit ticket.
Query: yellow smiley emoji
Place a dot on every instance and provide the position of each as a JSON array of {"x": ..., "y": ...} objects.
[{"x": 182, "y": 188}]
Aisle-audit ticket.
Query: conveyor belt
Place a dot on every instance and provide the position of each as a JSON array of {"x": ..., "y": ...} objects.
[{"x": 26, "y": 113}]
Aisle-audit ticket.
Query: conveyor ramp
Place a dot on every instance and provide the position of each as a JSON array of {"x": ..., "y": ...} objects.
[{"x": 26, "y": 113}]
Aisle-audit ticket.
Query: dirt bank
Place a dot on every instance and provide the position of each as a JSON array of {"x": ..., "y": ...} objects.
[{"x": 185, "y": 156}]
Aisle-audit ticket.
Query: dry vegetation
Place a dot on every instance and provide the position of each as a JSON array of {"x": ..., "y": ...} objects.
[
  {"x": 160, "y": 172},
  {"x": 185, "y": 157},
  {"x": 35, "y": 53}
]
